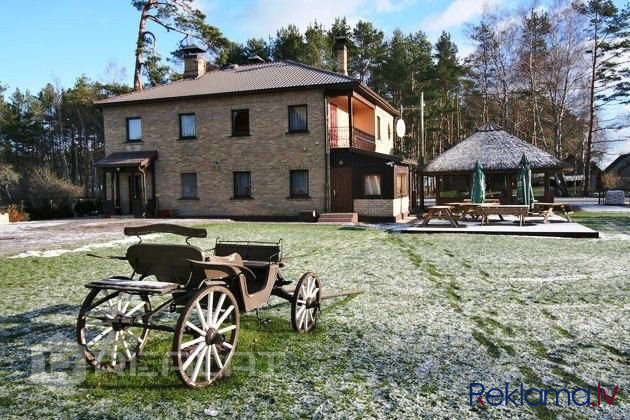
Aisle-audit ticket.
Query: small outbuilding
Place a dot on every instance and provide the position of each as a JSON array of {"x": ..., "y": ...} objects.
[
  {"x": 620, "y": 168},
  {"x": 499, "y": 154}
]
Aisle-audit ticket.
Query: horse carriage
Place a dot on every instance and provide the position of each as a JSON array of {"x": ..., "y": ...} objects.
[{"x": 208, "y": 292}]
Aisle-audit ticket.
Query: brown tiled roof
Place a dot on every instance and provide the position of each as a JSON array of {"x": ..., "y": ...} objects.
[
  {"x": 246, "y": 78},
  {"x": 142, "y": 159}
]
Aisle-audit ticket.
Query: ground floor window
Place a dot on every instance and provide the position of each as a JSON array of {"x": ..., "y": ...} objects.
[
  {"x": 298, "y": 181},
  {"x": 372, "y": 185},
  {"x": 189, "y": 185},
  {"x": 242, "y": 184}
]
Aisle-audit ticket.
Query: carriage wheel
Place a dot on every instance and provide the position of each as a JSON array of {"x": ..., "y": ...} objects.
[
  {"x": 306, "y": 302},
  {"x": 105, "y": 341},
  {"x": 205, "y": 336}
]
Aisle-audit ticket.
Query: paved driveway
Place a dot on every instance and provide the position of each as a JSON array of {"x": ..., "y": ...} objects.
[{"x": 33, "y": 237}]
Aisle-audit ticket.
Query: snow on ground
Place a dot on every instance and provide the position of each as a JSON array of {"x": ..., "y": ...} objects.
[
  {"x": 439, "y": 312},
  {"x": 28, "y": 237}
]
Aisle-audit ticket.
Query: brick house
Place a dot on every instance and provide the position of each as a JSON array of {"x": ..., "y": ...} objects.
[{"x": 263, "y": 140}]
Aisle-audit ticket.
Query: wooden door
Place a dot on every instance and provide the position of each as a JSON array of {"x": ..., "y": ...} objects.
[{"x": 341, "y": 183}]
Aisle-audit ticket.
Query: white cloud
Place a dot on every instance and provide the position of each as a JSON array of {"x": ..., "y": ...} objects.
[
  {"x": 264, "y": 17},
  {"x": 392, "y": 6},
  {"x": 456, "y": 14},
  {"x": 267, "y": 16}
]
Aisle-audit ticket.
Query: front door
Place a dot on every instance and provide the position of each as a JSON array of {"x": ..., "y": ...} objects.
[{"x": 341, "y": 182}]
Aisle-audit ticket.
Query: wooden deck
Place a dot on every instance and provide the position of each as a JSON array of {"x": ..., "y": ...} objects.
[{"x": 533, "y": 226}]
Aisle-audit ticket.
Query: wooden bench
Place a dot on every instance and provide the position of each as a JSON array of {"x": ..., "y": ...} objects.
[
  {"x": 439, "y": 212},
  {"x": 549, "y": 209},
  {"x": 508, "y": 210}
]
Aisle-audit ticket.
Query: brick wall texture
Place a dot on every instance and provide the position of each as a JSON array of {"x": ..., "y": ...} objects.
[{"x": 269, "y": 153}]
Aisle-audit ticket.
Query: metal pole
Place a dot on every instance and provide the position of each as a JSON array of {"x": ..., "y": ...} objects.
[{"x": 421, "y": 151}]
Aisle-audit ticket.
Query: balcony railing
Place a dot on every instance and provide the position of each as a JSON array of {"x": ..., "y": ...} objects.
[{"x": 340, "y": 137}]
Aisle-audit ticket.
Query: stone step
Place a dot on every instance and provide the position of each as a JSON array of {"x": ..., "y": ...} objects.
[{"x": 338, "y": 218}]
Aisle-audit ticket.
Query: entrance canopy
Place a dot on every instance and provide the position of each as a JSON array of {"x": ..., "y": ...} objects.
[{"x": 138, "y": 159}]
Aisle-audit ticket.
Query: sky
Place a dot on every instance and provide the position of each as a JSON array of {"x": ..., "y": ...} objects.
[{"x": 45, "y": 41}]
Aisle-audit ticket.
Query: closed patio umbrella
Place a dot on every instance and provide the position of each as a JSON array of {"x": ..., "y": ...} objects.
[
  {"x": 524, "y": 191},
  {"x": 478, "y": 185}
]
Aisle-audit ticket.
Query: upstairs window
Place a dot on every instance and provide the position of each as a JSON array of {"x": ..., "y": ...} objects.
[
  {"x": 240, "y": 122},
  {"x": 189, "y": 185},
  {"x": 298, "y": 183},
  {"x": 378, "y": 128},
  {"x": 298, "y": 119},
  {"x": 134, "y": 129},
  {"x": 372, "y": 185},
  {"x": 242, "y": 184},
  {"x": 187, "y": 126}
]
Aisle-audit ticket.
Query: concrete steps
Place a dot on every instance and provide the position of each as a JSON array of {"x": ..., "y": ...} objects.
[{"x": 338, "y": 218}]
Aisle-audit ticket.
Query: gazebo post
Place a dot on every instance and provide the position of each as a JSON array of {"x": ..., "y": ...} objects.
[
  {"x": 438, "y": 185},
  {"x": 508, "y": 188},
  {"x": 548, "y": 197}
]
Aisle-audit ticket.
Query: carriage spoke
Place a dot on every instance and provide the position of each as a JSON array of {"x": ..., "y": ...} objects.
[
  {"x": 216, "y": 356},
  {"x": 299, "y": 311},
  {"x": 228, "y": 345},
  {"x": 301, "y": 301},
  {"x": 101, "y": 354},
  {"x": 115, "y": 348},
  {"x": 191, "y": 342},
  {"x": 195, "y": 328},
  {"x": 135, "y": 336},
  {"x": 219, "y": 306},
  {"x": 208, "y": 364},
  {"x": 227, "y": 312},
  {"x": 126, "y": 346},
  {"x": 226, "y": 329},
  {"x": 193, "y": 356},
  {"x": 209, "y": 308},
  {"x": 202, "y": 318},
  {"x": 135, "y": 309},
  {"x": 200, "y": 360},
  {"x": 311, "y": 285},
  {"x": 98, "y": 337},
  {"x": 301, "y": 317},
  {"x": 314, "y": 292}
]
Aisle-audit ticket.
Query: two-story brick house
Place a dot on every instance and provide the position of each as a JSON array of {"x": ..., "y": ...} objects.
[{"x": 264, "y": 140}]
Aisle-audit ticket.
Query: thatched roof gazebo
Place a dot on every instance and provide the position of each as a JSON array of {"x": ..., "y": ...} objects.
[{"x": 499, "y": 154}]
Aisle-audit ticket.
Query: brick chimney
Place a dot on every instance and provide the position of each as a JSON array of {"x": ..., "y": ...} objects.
[
  {"x": 341, "y": 54},
  {"x": 195, "y": 63}
]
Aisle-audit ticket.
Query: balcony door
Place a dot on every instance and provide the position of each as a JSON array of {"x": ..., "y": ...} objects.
[{"x": 341, "y": 182}]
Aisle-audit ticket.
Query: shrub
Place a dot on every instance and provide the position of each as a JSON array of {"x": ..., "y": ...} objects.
[
  {"x": 44, "y": 185},
  {"x": 17, "y": 215}
]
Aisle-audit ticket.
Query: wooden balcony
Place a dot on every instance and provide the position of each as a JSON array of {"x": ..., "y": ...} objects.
[{"x": 340, "y": 138}]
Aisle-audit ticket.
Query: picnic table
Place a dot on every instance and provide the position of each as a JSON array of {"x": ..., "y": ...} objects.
[
  {"x": 493, "y": 210},
  {"x": 439, "y": 212},
  {"x": 549, "y": 209},
  {"x": 467, "y": 208}
]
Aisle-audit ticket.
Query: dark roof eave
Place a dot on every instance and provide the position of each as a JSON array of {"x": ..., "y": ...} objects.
[
  {"x": 345, "y": 85},
  {"x": 367, "y": 91},
  {"x": 554, "y": 169}
]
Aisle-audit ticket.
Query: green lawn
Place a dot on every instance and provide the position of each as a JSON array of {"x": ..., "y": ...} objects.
[{"x": 438, "y": 312}]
